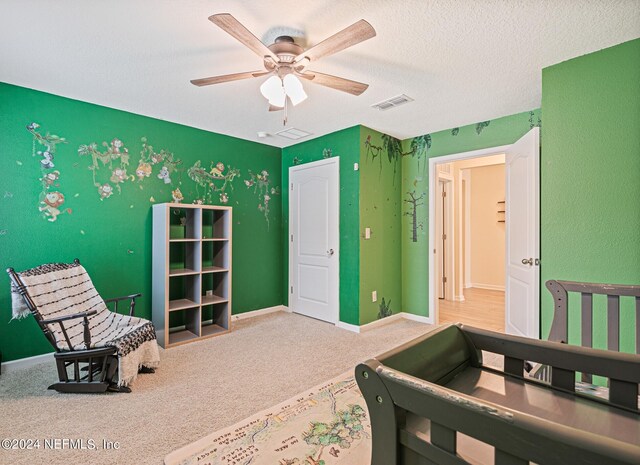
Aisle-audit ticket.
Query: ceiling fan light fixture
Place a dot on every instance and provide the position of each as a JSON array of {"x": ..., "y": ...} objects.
[
  {"x": 273, "y": 90},
  {"x": 294, "y": 90}
]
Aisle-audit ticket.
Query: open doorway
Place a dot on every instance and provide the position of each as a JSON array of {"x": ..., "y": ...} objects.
[{"x": 469, "y": 241}]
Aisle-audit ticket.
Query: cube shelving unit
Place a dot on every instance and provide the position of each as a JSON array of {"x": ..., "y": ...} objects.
[{"x": 191, "y": 277}]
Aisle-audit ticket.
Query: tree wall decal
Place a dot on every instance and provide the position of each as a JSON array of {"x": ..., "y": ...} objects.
[{"x": 414, "y": 202}]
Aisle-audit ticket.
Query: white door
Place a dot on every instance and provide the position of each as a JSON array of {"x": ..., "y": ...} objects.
[
  {"x": 522, "y": 315},
  {"x": 313, "y": 239}
]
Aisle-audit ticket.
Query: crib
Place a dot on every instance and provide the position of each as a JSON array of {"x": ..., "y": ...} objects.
[{"x": 434, "y": 401}]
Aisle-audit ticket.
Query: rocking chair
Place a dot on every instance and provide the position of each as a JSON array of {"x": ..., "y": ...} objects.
[{"x": 105, "y": 349}]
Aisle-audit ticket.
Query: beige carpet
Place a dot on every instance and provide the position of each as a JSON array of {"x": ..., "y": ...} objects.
[{"x": 200, "y": 388}]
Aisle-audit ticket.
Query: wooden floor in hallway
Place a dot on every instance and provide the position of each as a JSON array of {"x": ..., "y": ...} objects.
[{"x": 481, "y": 308}]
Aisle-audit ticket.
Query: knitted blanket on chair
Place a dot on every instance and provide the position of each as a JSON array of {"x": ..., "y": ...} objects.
[{"x": 61, "y": 289}]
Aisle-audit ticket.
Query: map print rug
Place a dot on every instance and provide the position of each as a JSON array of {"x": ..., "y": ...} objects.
[{"x": 326, "y": 425}]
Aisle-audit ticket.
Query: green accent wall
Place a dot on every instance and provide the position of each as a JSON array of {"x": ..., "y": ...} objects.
[
  {"x": 590, "y": 174},
  {"x": 346, "y": 145},
  {"x": 415, "y": 176},
  {"x": 380, "y": 210},
  {"x": 112, "y": 237}
]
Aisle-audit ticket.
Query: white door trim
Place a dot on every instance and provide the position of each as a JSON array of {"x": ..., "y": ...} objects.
[
  {"x": 433, "y": 182},
  {"x": 335, "y": 317}
]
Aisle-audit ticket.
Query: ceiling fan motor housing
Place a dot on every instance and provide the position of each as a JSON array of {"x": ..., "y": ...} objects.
[{"x": 286, "y": 50}]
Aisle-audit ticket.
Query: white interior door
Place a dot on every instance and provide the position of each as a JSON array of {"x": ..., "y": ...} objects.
[
  {"x": 314, "y": 255},
  {"x": 522, "y": 315}
]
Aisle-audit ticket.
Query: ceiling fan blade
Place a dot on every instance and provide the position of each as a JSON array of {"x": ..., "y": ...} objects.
[
  {"x": 352, "y": 35},
  {"x": 335, "y": 82},
  {"x": 226, "y": 78},
  {"x": 234, "y": 28}
]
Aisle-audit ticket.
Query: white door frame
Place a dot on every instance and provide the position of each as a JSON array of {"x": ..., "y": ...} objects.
[
  {"x": 433, "y": 183},
  {"x": 447, "y": 228},
  {"x": 335, "y": 317}
]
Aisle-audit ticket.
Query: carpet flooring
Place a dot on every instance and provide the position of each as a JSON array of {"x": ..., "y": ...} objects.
[{"x": 199, "y": 388}]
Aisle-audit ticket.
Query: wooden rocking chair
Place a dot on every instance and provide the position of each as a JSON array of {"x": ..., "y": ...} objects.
[{"x": 86, "y": 335}]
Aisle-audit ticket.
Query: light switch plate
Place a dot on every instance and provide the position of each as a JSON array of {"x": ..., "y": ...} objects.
[
  {"x": 356, "y": 167},
  {"x": 374, "y": 296},
  {"x": 367, "y": 233}
]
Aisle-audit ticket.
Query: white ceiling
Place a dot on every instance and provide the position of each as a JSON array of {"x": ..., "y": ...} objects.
[{"x": 462, "y": 61}]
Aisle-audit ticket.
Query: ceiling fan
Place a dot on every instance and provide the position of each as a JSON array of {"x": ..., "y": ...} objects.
[{"x": 287, "y": 61}]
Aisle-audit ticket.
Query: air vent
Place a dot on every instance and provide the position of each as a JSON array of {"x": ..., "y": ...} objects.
[
  {"x": 293, "y": 134},
  {"x": 393, "y": 102}
]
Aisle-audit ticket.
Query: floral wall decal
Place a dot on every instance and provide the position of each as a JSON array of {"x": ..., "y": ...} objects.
[
  {"x": 215, "y": 180},
  {"x": 384, "y": 309},
  {"x": 51, "y": 199},
  {"x": 327, "y": 153},
  {"x": 481, "y": 126},
  {"x": 262, "y": 187},
  {"x": 455, "y": 131},
  {"x": 533, "y": 123},
  {"x": 115, "y": 158},
  {"x": 414, "y": 202},
  {"x": 150, "y": 158}
]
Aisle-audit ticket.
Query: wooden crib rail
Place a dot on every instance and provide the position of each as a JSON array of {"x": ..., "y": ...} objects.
[{"x": 560, "y": 325}]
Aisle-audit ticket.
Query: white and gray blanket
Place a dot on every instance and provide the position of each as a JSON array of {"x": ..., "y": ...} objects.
[{"x": 60, "y": 289}]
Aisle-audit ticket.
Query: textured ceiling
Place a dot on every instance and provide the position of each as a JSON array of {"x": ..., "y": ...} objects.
[{"x": 462, "y": 61}]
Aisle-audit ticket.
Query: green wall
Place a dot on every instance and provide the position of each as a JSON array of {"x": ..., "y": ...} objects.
[
  {"x": 415, "y": 255},
  {"x": 112, "y": 237},
  {"x": 590, "y": 173},
  {"x": 380, "y": 210},
  {"x": 346, "y": 145}
]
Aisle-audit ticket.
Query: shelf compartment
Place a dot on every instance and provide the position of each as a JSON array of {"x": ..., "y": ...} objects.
[
  {"x": 215, "y": 319},
  {"x": 184, "y": 256},
  {"x": 182, "y": 272},
  {"x": 216, "y": 254},
  {"x": 184, "y": 224},
  {"x": 217, "y": 284},
  {"x": 216, "y": 224},
  {"x": 185, "y": 325},
  {"x": 184, "y": 291}
]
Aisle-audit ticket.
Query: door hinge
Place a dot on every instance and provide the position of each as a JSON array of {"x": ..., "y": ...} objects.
[
  {"x": 444, "y": 237},
  {"x": 291, "y": 289},
  {"x": 444, "y": 193},
  {"x": 444, "y": 279},
  {"x": 292, "y": 238},
  {"x": 291, "y": 186}
]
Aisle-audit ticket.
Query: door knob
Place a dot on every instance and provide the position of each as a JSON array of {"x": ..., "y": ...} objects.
[
  {"x": 330, "y": 252},
  {"x": 527, "y": 261}
]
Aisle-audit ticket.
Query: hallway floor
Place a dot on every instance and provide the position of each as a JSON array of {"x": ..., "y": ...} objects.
[{"x": 482, "y": 308}]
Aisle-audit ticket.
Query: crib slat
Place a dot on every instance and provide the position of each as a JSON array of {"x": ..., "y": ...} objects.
[
  {"x": 623, "y": 393},
  {"x": 613, "y": 322},
  {"x": 428, "y": 451},
  {"x": 443, "y": 437},
  {"x": 513, "y": 366},
  {"x": 587, "y": 327},
  {"x": 504, "y": 458},
  {"x": 563, "y": 379}
]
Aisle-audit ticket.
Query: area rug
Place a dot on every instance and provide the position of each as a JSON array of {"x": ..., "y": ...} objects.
[{"x": 326, "y": 425}]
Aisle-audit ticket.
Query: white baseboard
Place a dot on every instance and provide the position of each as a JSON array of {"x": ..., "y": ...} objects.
[
  {"x": 489, "y": 287},
  {"x": 348, "y": 326},
  {"x": 259, "y": 312},
  {"x": 21, "y": 363},
  {"x": 384, "y": 321},
  {"x": 428, "y": 320}
]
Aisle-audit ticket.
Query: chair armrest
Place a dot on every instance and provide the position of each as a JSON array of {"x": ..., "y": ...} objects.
[
  {"x": 85, "y": 323},
  {"x": 132, "y": 305}
]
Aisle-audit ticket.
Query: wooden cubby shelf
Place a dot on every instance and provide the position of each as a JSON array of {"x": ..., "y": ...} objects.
[{"x": 191, "y": 281}]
